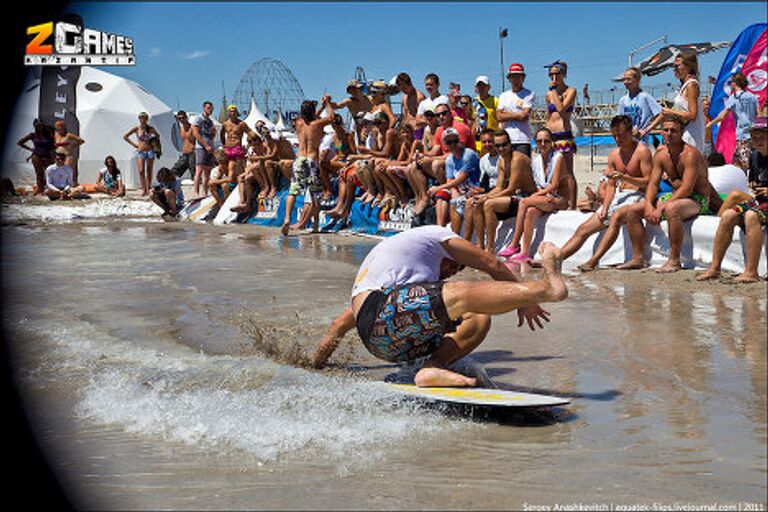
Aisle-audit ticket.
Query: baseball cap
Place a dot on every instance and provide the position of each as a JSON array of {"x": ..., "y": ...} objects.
[
  {"x": 562, "y": 65},
  {"x": 450, "y": 132},
  {"x": 516, "y": 69},
  {"x": 482, "y": 79}
]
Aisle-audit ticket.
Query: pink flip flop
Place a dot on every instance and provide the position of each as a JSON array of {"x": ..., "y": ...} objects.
[{"x": 509, "y": 251}]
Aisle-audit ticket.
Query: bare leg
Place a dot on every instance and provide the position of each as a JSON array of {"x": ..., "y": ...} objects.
[
  {"x": 479, "y": 216},
  {"x": 498, "y": 297},
  {"x": 290, "y": 201},
  {"x": 531, "y": 216},
  {"x": 723, "y": 237},
  {"x": 587, "y": 228},
  {"x": 470, "y": 333},
  {"x": 677, "y": 212},
  {"x": 140, "y": 162},
  {"x": 754, "y": 248},
  {"x": 150, "y": 166},
  {"x": 634, "y": 221}
]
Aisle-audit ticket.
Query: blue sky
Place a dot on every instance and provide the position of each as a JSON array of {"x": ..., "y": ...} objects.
[{"x": 186, "y": 50}]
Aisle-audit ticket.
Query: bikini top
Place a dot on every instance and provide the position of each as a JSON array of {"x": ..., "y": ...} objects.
[{"x": 552, "y": 108}]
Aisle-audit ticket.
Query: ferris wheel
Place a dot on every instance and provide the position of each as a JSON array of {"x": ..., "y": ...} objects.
[{"x": 273, "y": 88}]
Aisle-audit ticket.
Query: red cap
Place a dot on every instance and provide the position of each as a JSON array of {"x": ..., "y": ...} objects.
[{"x": 516, "y": 68}]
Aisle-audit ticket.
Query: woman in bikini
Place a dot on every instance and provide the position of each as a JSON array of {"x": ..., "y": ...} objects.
[
  {"x": 145, "y": 155},
  {"x": 42, "y": 151},
  {"x": 561, "y": 99},
  {"x": 109, "y": 180},
  {"x": 67, "y": 143}
]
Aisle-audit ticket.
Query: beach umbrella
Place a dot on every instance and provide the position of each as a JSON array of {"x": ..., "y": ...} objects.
[{"x": 665, "y": 57}]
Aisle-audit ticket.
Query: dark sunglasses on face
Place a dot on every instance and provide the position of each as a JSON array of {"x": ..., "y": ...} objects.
[
  {"x": 464, "y": 103},
  {"x": 444, "y": 113},
  {"x": 501, "y": 145},
  {"x": 451, "y": 142},
  {"x": 486, "y": 142}
]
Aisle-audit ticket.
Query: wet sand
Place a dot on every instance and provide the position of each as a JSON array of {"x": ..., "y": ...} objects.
[{"x": 165, "y": 373}]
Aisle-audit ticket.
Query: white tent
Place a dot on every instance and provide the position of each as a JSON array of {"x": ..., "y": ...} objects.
[
  {"x": 255, "y": 115},
  {"x": 107, "y": 107},
  {"x": 280, "y": 124}
]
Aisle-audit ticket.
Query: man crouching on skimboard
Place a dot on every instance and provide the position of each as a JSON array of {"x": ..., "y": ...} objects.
[{"x": 404, "y": 310}]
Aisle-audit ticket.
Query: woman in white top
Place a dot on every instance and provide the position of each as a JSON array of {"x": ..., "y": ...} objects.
[
  {"x": 687, "y": 103},
  {"x": 552, "y": 195}
]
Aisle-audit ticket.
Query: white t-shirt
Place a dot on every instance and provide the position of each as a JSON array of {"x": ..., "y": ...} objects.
[
  {"x": 489, "y": 166},
  {"x": 429, "y": 103},
  {"x": 413, "y": 256},
  {"x": 509, "y": 101},
  {"x": 542, "y": 176}
]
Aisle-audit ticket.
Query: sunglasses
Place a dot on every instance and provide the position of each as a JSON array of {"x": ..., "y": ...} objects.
[
  {"x": 501, "y": 145},
  {"x": 464, "y": 103},
  {"x": 543, "y": 141},
  {"x": 444, "y": 113},
  {"x": 486, "y": 142},
  {"x": 451, "y": 142}
]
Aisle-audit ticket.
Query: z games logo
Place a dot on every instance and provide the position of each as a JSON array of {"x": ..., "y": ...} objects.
[{"x": 70, "y": 44}]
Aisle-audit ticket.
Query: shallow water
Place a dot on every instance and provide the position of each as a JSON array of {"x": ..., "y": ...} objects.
[{"x": 162, "y": 363}]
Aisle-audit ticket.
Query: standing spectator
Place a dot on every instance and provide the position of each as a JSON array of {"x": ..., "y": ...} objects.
[
  {"x": 485, "y": 110},
  {"x": 743, "y": 104},
  {"x": 514, "y": 110},
  {"x": 687, "y": 103},
  {"x": 434, "y": 98},
  {"x": 110, "y": 181},
  {"x": 204, "y": 131},
  {"x": 638, "y": 105},
  {"x": 187, "y": 159},
  {"x": 145, "y": 155},
  {"x": 410, "y": 102},
  {"x": 585, "y": 93},
  {"x": 750, "y": 212},
  {"x": 67, "y": 143},
  {"x": 561, "y": 99},
  {"x": 42, "y": 151}
]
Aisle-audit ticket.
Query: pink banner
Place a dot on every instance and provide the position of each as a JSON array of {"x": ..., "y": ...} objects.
[{"x": 755, "y": 68}]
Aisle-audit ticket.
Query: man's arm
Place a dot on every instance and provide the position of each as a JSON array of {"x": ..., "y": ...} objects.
[
  {"x": 466, "y": 253},
  {"x": 342, "y": 324}
]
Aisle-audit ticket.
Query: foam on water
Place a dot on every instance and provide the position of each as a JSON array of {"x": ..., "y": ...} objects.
[
  {"x": 63, "y": 212},
  {"x": 222, "y": 403}
]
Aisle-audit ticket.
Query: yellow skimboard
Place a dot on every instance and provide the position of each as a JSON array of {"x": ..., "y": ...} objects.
[{"x": 479, "y": 396}]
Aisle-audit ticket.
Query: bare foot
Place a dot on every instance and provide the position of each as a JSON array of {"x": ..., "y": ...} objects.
[
  {"x": 747, "y": 278},
  {"x": 551, "y": 262},
  {"x": 590, "y": 193},
  {"x": 632, "y": 265},
  {"x": 285, "y": 229},
  {"x": 420, "y": 207},
  {"x": 708, "y": 274},
  {"x": 440, "y": 377},
  {"x": 272, "y": 194},
  {"x": 334, "y": 214},
  {"x": 240, "y": 208},
  {"x": 668, "y": 268},
  {"x": 586, "y": 267}
]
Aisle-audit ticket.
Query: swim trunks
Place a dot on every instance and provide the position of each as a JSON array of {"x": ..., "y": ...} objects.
[
  {"x": 305, "y": 179},
  {"x": 405, "y": 322},
  {"x": 204, "y": 158},
  {"x": 755, "y": 205},
  {"x": 514, "y": 205},
  {"x": 234, "y": 152},
  {"x": 701, "y": 200},
  {"x": 620, "y": 199}
]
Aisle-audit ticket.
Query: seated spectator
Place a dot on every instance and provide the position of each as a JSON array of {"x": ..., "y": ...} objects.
[
  {"x": 514, "y": 182},
  {"x": 253, "y": 176},
  {"x": 223, "y": 179},
  {"x": 489, "y": 172},
  {"x": 462, "y": 174},
  {"x": 60, "y": 181},
  {"x": 626, "y": 177},
  {"x": 749, "y": 212},
  {"x": 726, "y": 177},
  {"x": 396, "y": 169},
  {"x": 167, "y": 194},
  {"x": 110, "y": 181},
  {"x": 548, "y": 168}
]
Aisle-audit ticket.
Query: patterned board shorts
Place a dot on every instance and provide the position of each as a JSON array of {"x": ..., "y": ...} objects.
[
  {"x": 305, "y": 179},
  {"x": 759, "y": 206},
  {"x": 405, "y": 322}
]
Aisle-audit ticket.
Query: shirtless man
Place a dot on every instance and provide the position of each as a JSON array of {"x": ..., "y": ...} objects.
[
  {"x": 514, "y": 182},
  {"x": 187, "y": 159},
  {"x": 67, "y": 143},
  {"x": 357, "y": 103},
  {"x": 404, "y": 310},
  {"x": 410, "y": 102},
  {"x": 627, "y": 174},
  {"x": 305, "y": 176},
  {"x": 685, "y": 168},
  {"x": 256, "y": 153},
  {"x": 232, "y": 131}
]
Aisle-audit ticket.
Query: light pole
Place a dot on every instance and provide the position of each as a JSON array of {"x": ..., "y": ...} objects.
[{"x": 502, "y": 34}]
